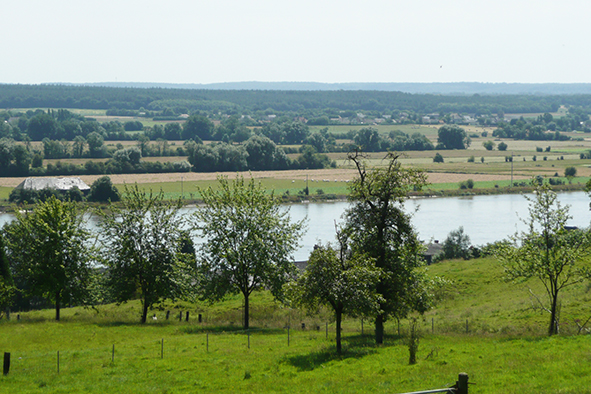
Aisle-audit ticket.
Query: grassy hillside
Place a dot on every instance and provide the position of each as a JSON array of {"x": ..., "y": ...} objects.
[{"x": 504, "y": 348}]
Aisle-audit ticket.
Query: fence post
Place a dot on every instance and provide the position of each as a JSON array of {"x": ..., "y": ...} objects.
[
  {"x": 462, "y": 383},
  {"x": 167, "y": 314},
  {"x": 162, "y": 348},
  {"x": 187, "y": 319},
  {"x": 113, "y": 354},
  {"x": 6, "y": 363}
]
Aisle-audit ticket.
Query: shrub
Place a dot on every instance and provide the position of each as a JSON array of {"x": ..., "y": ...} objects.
[
  {"x": 488, "y": 145},
  {"x": 570, "y": 171},
  {"x": 502, "y": 146},
  {"x": 471, "y": 159},
  {"x": 438, "y": 158},
  {"x": 539, "y": 149}
]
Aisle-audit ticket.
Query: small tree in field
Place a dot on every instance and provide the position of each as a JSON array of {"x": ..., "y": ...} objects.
[
  {"x": 49, "y": 251},
  {"x": 142, "y": 241},
  {"x": 249, "y": 240},
  {"x": 346, "y": 283},
  {"x": 438, "y": 158},
  {"x": 570, "y": 172},
  {"x": 547, "y": 251}
]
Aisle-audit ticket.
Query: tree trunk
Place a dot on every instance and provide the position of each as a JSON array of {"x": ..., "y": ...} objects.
[
  {"x": 145, "y": 310},
  {"x": 379, "y": 329},
  {"x": 553, "y": 328},
  {"x": 246, "y": 321},
  {"x": 57, "y": 306},
  {"x": 339, "y": 316}
]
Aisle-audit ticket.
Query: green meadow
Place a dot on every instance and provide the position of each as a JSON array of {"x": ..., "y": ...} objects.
[{"x": 482, "y": 325}]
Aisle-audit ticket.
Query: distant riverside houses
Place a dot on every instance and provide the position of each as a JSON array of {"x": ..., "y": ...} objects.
[{"x": 59, "y": 184}]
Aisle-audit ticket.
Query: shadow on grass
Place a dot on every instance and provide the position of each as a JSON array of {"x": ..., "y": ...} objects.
[{"x": 356, "y": 346}]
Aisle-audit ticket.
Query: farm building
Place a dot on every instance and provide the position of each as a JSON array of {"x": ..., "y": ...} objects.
[{"x": 59, "y": 184}]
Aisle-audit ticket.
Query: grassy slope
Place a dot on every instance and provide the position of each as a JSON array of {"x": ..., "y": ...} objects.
[{"x": 504, "y": 349}]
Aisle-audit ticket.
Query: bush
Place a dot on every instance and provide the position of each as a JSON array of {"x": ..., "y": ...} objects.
[
  {"x": 438, "y": 158},
  {"x": 502, "y": 146},
  {"x": 570, "y": 172},
  {"x": 538, "y": 149},
  {"x": 457, "y": 245},
  {"x": 103, "y": 190},
  {"x": 471, "y": 159},
  {"x": 488, "y": 145}
]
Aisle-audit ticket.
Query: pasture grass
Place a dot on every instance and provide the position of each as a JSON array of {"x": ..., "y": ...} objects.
[{"x": 503, "y": 350}]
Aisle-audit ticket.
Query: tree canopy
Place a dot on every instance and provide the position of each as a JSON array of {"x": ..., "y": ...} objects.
[
  {"x": 249, "y": 239},
  {"x": 49, "y": 251},
  {"x": 452, "y": 137},
  {"x": 345, "y": 282},
  {"x": 547, "y": 251},
  {"x": 142, "y": 241},
  {"x": 378, "y": 227}
]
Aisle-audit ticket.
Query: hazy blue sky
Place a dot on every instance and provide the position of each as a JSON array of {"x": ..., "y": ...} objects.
[{"x": 194, "y": 41}]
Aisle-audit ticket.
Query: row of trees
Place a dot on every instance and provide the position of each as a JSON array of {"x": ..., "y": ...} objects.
[{"x": 144, "y": 253}]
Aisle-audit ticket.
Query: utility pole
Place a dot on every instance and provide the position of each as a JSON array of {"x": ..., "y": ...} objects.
[{"x": 511, "y": 169}]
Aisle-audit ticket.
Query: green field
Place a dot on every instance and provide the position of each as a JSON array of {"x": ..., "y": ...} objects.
[{"x": 483, "y": 326}]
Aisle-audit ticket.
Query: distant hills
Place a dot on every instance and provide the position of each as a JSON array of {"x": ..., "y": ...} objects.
[{"x": 446, "y": 88}]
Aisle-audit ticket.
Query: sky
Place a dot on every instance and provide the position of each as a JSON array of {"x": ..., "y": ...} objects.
[{"x": 195, "y": 41}]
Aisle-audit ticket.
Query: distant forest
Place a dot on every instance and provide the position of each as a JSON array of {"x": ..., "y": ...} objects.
[{"x": 299, "y": 102}]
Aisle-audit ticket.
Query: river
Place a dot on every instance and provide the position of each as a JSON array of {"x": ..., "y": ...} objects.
[{"x": 484, "y": 218}]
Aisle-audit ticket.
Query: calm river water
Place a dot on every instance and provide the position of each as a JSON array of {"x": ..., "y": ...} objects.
[{"x": 484, "y": 218}]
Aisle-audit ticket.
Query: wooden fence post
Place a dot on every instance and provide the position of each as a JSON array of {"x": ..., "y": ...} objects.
[
  {"x": 187, "y": 319},
  {"x": 6, "y": 363},
  {"x": 162, "y": 348},
  {"x": 113, "y": 354},
  {"x": 462, "y": 383}
]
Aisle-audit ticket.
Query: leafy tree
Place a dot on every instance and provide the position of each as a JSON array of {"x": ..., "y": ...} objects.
[
  {"x": 368, "y": 140},
  {"x": 103, "y": 190},
  {"x": 438, "y": 158},
  {"x": 456, "y": 245},
  {"x": 502, "y": 146},
  {"x": 78, "y": 146},
  {"x": 263, "y": 154},
  {"x": 488, "y": 145},
  {"x": 141, "y": 241},
  {"x": 49, "y": 251},
  {"x": 310, "y": 159},
  {"x": 570, "y": 172},
  {"x": 379, "y": 227},
  {"x": 453, "y": 137},
  {"x": 295, "y": 132},
  {"x": 345, "y": 283},
  {"x": 198, "y": 126},
  {"x": 248, "y": 241},
  {"x": 547, "y": 251},
  {"x": 7, "y": 288},
  {"x": 95, "y": 143},
  {"x": 22, "y": 160},
  {"x": 42, "y": 126}
]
